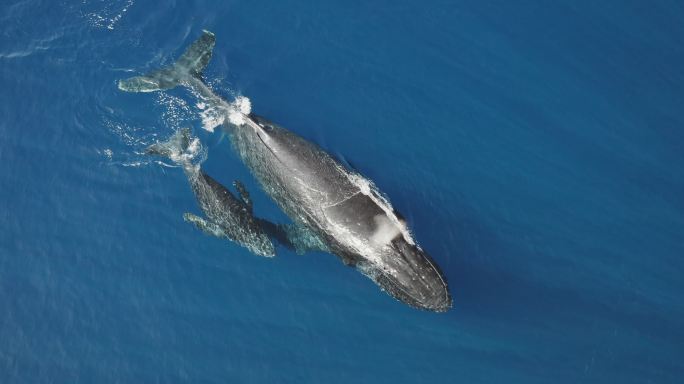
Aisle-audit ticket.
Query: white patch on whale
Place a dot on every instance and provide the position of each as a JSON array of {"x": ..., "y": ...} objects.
[
  {"x": 368, "y": 188},
  {"x": 385, "y": 230}
]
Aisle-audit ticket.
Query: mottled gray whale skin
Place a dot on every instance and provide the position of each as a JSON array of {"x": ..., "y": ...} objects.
[
  {"x": 227, "y": 216},
  {"x": 334, "y": 208},
  {"x": 342, "y": 209}
]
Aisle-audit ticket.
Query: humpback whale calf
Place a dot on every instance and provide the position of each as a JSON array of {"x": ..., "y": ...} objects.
[
  {"x": 228, "y": 217},
  {"x": 334, "y": 208}
]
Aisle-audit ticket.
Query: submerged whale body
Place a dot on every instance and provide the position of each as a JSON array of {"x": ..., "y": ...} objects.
[
  {"x": 227, "y": 216},
  {"x": 334, "y": 209}
]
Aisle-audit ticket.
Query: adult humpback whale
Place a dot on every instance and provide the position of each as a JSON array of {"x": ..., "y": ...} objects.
[
  {"x": 334, "y": 208},
  {"x": 227, "y": 216}
]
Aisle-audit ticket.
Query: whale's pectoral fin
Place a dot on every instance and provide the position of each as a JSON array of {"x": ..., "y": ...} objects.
[
  {"x": 204, "y": 225},
  {"x": 244, "y": 194},
  {"x": 191, "y": 63},
  {"x": 294, "y": 237},
  {"x": 301, "y": 239}
]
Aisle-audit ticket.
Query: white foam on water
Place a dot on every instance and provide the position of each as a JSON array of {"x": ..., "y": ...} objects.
[
  {"x": 108, "y": 14},
  {"x": 194, "y": 148},
  {"x": 212, "y": 118},
  {"x": 192, "y": 156},
  {"x": 134, "y": 164},
  {"x": 16, "y": 54},
  {"x": 241, "y": 107},
  {"x": 234, "y": 113},
  {"x": 243, "y": 104},
  {"x": 118, "y": 17},
  {"x": 236, "y": 118}
]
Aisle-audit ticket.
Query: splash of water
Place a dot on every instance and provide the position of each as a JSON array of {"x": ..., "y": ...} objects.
[{"x": 234, "y": 113}]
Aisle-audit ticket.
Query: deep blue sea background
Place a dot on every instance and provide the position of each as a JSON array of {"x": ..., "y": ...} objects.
[{"x": 536, "y": 148}]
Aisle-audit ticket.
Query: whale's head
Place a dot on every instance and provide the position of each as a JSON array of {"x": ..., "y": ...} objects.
[
  {"x": 409, "y": 275},
  {"x": 370, "y": 235}
]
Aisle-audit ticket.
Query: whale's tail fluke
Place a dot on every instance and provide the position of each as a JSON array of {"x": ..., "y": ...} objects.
[{"x": 191, "y": 63}]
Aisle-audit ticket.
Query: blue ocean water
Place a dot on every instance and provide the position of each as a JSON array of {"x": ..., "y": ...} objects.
[{"x": 536, "y": 149}]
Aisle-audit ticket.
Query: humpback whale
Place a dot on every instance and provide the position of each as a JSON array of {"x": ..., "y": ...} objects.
[
  {"x": 334, "y": 209},
  {"x": 228, "y": 216}
]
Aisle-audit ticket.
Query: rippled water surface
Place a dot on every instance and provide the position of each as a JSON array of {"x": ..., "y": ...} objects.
[{"x": 535, "y": 148}]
